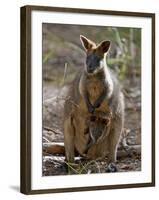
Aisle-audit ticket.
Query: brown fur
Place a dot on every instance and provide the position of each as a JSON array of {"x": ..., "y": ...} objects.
[
  {"x": 98, "y": 127},
  {"x": 89, "y": 90}
]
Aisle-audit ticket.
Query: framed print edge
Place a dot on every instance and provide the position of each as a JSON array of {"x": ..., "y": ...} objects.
[
  {"x": 25, "y": 139},
  {"x": 89, "y": 11},
  {"x": 153, "y": 98},
  {"x": 25, "y": 146}
]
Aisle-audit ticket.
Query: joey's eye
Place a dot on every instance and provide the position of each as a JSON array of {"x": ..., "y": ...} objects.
[{"x": 93, "y": 118}]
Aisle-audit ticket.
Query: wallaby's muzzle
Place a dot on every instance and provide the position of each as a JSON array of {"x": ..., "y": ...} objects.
[{"x": 92, "y": 63}]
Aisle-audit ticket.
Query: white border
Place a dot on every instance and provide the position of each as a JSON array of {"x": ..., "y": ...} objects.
[{"x": 39, "y": 182}]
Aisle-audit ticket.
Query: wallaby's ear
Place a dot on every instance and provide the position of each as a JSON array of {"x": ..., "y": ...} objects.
[
  {"x": 104, "y": 46},
  {"x": 87, "y": 44}
]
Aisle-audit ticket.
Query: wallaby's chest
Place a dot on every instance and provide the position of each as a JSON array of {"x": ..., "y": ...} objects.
[{"x": 94, "y": 89}]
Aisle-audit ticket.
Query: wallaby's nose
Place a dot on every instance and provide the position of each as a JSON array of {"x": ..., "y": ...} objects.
[
  {"x": 90, "y": 66},
  {"x": 90, "y": 69}
]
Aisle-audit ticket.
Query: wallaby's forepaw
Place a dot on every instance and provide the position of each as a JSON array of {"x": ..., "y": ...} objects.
[{"x": 111, "y": 168}]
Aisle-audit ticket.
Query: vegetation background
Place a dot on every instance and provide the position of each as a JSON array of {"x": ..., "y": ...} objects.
[{"x": 63, "y": 57}]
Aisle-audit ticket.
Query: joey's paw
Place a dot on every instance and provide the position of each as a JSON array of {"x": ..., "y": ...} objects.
[
  {"x": 91, "y": 109},
  {"x": 96, "y": 105},
  {"x": 111, "y": 168}
]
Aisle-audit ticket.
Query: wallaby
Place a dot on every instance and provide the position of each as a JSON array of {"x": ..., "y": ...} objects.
[
  {"x": 98, "y": 127},
  {"x": 95, "y": 88}
]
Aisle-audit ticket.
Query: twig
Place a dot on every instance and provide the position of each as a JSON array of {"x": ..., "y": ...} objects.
[
  {"x": 64, "y": 76},
  {"x": 71, "y": 167},
  {"x": 89, "y": 171},
  {"x": 46, "y": 139},
  {"x": 52, "y": 130},
  {"x": 98, "y": 167}
]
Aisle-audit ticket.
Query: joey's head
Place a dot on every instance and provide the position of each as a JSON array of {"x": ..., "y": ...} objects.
[{"x": 94, "y": 54}]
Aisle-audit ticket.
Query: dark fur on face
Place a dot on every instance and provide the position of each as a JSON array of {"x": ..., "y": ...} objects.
[
  {"x": 94, "y": 54},
  {"x": 92, "y": 62}
]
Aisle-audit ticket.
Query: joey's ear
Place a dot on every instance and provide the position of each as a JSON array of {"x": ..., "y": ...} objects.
[
  {"x": 87, "y": 44},
  {"x": 104, "y": 46}
]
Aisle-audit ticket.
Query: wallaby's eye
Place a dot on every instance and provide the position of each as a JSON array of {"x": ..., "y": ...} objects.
[
  {"x": 93, "y": 118},
  {"x": 98, "y": 59},
  {"x": 104, "y": 121},
  {"x": 88, "y": 58}
]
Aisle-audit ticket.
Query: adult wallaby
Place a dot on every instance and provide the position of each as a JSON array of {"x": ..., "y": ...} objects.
[{"x": 95, "y": 88}]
